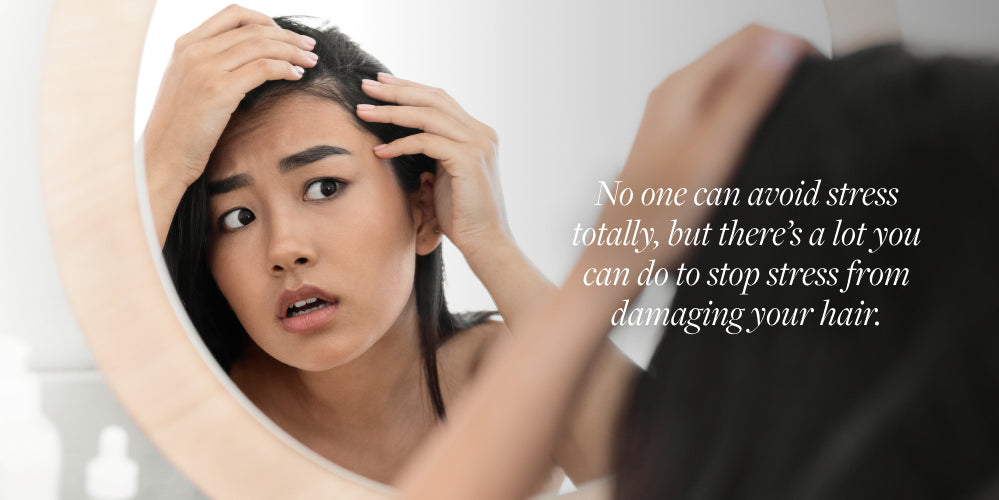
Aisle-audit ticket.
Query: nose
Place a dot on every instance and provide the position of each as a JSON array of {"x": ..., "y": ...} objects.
[{"x": 290, "y": 246}]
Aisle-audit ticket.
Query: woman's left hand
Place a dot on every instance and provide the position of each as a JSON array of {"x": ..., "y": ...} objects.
[{"x": 467, "y": 195}]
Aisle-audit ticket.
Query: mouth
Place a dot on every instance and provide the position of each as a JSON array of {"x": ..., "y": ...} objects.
[
  {"x": 304, "y": 301},
  {"x": 310, "y": 317},
  {"x": 306, "y": 306}
]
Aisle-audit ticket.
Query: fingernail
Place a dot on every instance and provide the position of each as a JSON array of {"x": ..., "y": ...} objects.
[
  {"x": 298, "y": 69},
  {"x": 366, "y": 81},
  {"x": 311, "y": 42},
  {"x": 380, "y": 147},
  {"x": 365, "y": 107},
  {"x": 779, "y": 50},
  {"x": 386, "y": 76},
  {"x": 312, "y": 56}
]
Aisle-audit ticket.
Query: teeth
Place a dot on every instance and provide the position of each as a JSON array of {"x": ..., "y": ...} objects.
[
  {"x": 292, "y": 314},
  {"x": 306, "y": 301}
]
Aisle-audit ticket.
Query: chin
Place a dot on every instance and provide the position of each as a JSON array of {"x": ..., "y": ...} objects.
[{"x": 320, "y": 358}]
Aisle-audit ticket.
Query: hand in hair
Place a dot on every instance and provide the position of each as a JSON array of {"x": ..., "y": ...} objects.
[
  {"x": 467, "y": 196},
  {"x": 467, "y": 189},
  {"x": 696, "y": 125},
  {"x": 211, "y": 69}
]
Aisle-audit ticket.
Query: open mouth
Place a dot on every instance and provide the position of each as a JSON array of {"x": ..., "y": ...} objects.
[{"x": 306, "y": 306}]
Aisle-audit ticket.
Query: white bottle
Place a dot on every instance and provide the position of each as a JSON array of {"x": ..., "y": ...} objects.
[
  {"x": 30, "y": 450},
  {"x": 111, "y": 475}
]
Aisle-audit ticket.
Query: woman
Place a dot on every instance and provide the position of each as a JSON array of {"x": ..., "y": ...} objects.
[{"x": 306, "y": 221}]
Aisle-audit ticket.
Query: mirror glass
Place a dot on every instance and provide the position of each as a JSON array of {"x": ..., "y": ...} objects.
[{"x": 564, "y": 87}]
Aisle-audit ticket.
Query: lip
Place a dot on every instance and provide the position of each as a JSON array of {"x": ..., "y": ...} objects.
[{"x": 312, "y": 321}]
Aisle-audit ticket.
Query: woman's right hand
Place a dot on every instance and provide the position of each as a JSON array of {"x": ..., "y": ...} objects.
[
  {"x": 210, "y": 71},
  {"x": 696, "y": 126}
]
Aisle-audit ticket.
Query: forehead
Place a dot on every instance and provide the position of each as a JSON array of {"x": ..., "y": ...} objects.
[{"x": 286, "y": 126}]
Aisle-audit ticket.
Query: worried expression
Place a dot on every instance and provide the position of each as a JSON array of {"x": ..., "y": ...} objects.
[{"x": 314, "y": 242}]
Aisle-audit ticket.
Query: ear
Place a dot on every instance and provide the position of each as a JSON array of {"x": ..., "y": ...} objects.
[{"x": 428, "y": 231}]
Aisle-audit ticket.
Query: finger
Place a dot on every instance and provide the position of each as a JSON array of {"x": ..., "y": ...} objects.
[
  {"x": 263, "y": 48},
  {"x": 726, "y": 54},
  {"x": 401, "y": 82},
  {"x": 702, "y": 79},
  {"x": 254, "y": 74},
  {"x": 429, "y": 120},
  {"x": 741, "y": 102},
  {"x": 751, "y": 90},
  {"x": 449, "y": 105},
  {"x": 229, "y": 18},
  {"x": 694, "y": 88},
  {"x": 426, "y": 97},
  {"x": 231, "y": 38},
  {"x": 434, "y": 146}
]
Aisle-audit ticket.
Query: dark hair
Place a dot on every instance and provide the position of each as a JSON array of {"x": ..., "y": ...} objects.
[
  {"x": 337, "y": 77},
  {"x": 903, "y": 408}
]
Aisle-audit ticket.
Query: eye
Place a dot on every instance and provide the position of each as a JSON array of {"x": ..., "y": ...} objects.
[
  {"x": 235, "y": 219},
  {"x": 322, "y": 188}
]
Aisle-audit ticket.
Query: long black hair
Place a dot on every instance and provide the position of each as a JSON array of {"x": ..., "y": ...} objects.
[
  {"x": 905, "y": 406},
  {"x": 337, "y": 77}
]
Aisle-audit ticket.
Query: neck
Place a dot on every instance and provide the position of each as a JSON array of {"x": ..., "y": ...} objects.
[{"x": 374, "y": 393}]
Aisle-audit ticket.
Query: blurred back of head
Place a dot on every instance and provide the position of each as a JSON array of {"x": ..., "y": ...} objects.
[{"x": 905, "y": 409}]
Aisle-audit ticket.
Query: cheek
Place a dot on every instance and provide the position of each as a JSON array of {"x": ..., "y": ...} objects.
[
  {"x": 384, "y": 246},
  {"x": 375, "y": 254},
  {"x": 228, "y": 266}
]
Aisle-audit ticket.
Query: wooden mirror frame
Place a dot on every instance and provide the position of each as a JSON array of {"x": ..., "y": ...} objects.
[{"x": 105, "y": 253}]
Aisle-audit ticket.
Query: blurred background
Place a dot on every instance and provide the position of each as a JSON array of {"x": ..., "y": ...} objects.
[{"x": 563, "y": 82}]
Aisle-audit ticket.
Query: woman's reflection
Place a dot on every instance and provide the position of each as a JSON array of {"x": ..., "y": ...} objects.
[{"x": 306, "y": 192}]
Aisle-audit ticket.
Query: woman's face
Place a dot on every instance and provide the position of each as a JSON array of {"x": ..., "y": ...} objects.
[{"x": 313, "y": 241}]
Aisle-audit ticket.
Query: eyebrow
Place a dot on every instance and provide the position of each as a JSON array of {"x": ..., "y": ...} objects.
[
  {"x": 313, "y": 154},
  {"x": 299, "y": 159},
  {"x": 229, "y": 184}
]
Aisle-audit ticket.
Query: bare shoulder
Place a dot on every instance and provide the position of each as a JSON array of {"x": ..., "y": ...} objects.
[
  {"x": 460, "y": 357},
  {"x": 467, "y": 348}
]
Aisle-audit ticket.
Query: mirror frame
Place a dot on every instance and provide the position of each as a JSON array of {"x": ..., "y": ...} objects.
[{"x": 90, "y": 186}]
